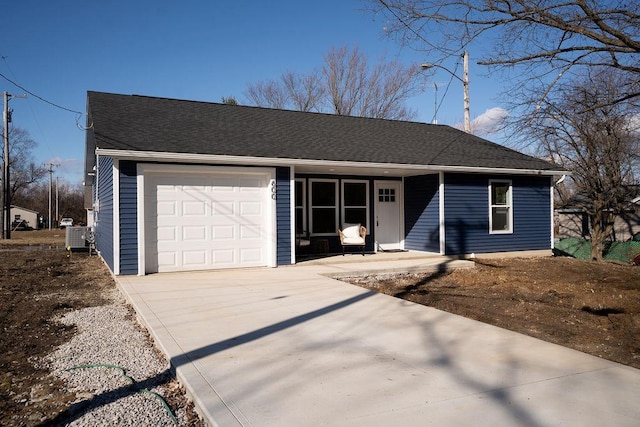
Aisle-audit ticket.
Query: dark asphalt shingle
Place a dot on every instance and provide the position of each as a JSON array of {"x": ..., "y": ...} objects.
[{"x": 132, "y": 122}]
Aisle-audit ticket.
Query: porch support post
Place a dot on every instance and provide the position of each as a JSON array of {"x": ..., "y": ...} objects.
[{"x": 441, "y": 213}]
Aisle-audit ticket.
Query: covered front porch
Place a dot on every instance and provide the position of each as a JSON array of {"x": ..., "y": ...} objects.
[{"x": 400, "y": 209}]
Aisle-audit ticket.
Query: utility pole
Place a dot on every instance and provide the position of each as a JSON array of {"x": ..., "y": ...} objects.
[
  {"x": 465, "y": 84},
  {"x": 51, "y": 166},
  {"x": 57, "y": 205},
  {"x": 435, "y": 104},
  {"x": 6, "y": 175},
  {"x": 6, "y": 209}
]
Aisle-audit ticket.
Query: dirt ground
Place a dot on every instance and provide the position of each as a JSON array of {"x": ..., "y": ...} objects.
[
  {"x": 39, "y": 282},
  {"x": 590, "y": 307}
]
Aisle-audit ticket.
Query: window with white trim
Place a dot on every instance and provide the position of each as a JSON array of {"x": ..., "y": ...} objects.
[
  {"x": 501, "y": 209},
  {"x": 324, "y": 206},
  {"x": 355, "y": 202},
  {"x": 300, "y": 206}
]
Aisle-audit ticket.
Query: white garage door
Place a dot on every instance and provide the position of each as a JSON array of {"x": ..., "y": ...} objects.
[{"x": 207, "y": 221}]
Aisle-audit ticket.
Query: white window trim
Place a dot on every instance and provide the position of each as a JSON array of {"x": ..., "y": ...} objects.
[
  {"x": 305, "y": 226},
  {"x": 508, "y": 205},
  {"x": 344, "y": 206},
  {"x": 336, "y": 206}
]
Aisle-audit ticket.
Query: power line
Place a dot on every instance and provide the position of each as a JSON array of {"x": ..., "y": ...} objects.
[
  {"x": 79, "y": 113},
  {"x": 37, "y": 96},
  {"x": 29, "y": 104}
]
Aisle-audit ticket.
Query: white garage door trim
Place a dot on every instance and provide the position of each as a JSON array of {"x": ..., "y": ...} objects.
[{"x": 149, "y": 171}]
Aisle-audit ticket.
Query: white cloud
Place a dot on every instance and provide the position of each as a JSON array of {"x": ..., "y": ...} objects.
[
  {"x": 71, "y": 170},
  {"x": 489, "y": 122}
]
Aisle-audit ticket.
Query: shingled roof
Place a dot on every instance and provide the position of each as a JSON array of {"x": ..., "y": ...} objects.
[{"x": 148, "y": 124}]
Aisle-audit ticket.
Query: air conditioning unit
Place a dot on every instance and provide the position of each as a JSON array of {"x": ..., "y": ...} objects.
[{"x": 76, "y": 237}]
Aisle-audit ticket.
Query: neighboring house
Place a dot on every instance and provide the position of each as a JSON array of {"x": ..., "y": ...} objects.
[
  {"x": 23, "y": 218},
  {"x": 572, "y": 221},
  {"x": 183, "y": 185}
]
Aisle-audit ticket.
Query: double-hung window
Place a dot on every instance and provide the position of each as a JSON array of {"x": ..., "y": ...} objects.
[
  {"x": 355, "y": 202},
  {"x": 501, "y": 207},
  {"x": 324, "y": 206}
]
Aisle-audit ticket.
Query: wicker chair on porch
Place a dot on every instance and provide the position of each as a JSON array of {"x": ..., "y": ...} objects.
[
  {"x": 352, "y": 235},
  {"x": 303, "y": 243}
]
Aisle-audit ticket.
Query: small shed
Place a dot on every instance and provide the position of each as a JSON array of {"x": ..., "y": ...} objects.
[{"x": 24, "y": 219}]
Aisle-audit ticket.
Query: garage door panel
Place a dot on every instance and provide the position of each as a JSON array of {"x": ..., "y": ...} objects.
[
  {"x": 194, "y": 258},
  {"x": 166, "y": 234},
  {"x": 194, "y": 233},
  {"x": 250, "y": 208},
  {"x": 249, "y": 255},
  {"x": 222, "y": 208},
  {"x": 223, "y": 232},
  {"x": 197, "y": 208},
  {"x": 249, "y": 232},
  {"x": 166, "y": 260},
  {"x": 207, "y": 221},
  {"x": 223, "y": 257},
  {"x": 167, "y": 208}
]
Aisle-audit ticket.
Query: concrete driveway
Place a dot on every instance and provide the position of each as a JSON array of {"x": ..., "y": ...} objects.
[{"x": 292, "y": 347}]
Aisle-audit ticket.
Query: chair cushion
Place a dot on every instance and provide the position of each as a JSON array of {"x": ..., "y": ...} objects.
[
  {"x": 351, "y": 231},
  {"x": 353, "y": 241}
]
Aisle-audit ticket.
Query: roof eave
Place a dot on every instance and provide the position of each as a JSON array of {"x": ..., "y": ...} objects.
[{"x": 267, "y": 161}]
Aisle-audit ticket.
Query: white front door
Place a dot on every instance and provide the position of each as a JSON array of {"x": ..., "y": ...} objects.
[{"x": 388, "y": 199}]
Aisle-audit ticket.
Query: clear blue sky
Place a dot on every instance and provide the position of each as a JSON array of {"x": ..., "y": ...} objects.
[{"x": 198, "y": 49}]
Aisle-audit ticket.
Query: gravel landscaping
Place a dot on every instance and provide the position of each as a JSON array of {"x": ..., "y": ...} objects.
[{"x": 112, "y": 367}]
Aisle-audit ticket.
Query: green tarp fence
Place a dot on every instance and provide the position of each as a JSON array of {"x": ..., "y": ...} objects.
[{"x": 613, "y": 251}]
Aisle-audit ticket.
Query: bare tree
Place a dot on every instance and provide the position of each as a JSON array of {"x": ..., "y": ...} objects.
[
  {"x": 355, "y": 89},
  {"x": 346, "y": 85},
  {"x": 597, "y": 139},
  {"x": 268, "y": 93},
  {"x": 546, "y": 37},
  {"x": 305, "y": 92},
  {"x": 24, "y": 171},
  {"x": 70, "y": 199}
]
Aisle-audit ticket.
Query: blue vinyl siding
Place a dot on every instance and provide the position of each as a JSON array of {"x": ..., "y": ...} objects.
[
  {"x": 128, "y": 218},
  {"x": 422, "y": 213},
  {"x": 283, "y": 216},
  {"x": 104, "y": 216},
  {"x": 467, "y": 215}
]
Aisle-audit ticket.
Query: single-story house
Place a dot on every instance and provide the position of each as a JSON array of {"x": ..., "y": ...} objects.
[
  {"x": 24, "y": 219},
  {"x": 184, "y": 185}
]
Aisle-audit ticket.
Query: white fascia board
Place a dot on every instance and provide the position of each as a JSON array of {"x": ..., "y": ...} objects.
[{"x": 267, "y": 161}]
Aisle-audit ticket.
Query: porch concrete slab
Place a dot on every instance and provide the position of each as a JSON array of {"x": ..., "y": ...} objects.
[{"x": 294, "y": 347}]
